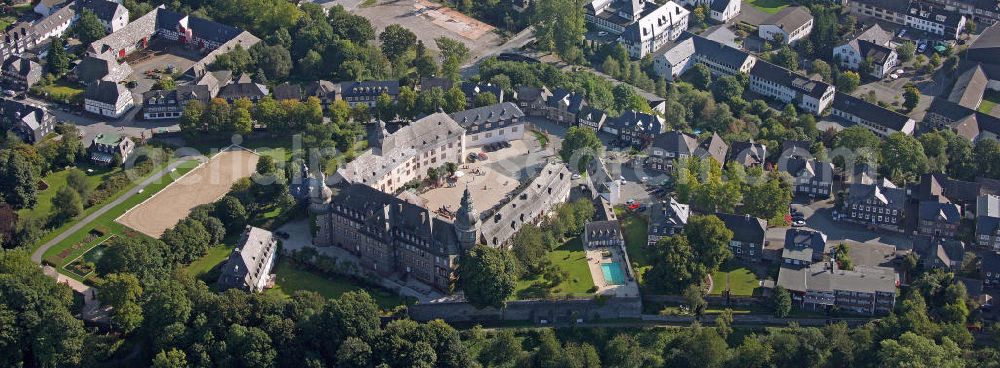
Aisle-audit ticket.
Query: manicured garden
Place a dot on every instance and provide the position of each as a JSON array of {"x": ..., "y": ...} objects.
[
  {"x": 768, "y": 6},
  {"x": 55, "y": 181},
  {"x": 570, "y": 258},
  {"x": 212, "y": 259},
  {"x": 289, "y": 280},
  {"x": 741, "y": 281},
  {"x": 60, "y": 90},
  {"x": 990, "y": 100},
  {"x": 636, "y": 237}
]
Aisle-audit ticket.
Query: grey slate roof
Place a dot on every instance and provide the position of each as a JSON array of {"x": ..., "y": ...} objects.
[
  {"x": 409, "y": 140},
  {"x": 243, "y": 88},
  {"x": 745, "y": 228},
  {"x": 933, "y": 249},
  {"x": 969, "y": 88},
  {"x": 898, "y": 6},
  {"x": 940, "y": 212},
  {"x": 105, "y": 10},
  {"x": 713, "y": 147},
  {"x": 871, "y": 112},
  {"x": 24, "y": 67},
  {"x": 603, "y": 230},
  {"x": 689, "y": 43},
  {"x": 255, "y": 247},
  {"x": 287, "y": 91},
  {"x": 105, "y": 92},
  {"x": 790, "y": 18},
  {"x": 784, "y": 77},
  {"x": 800, "y": 167},
  {"x": 104, "y": 67},
  {"x": 890, "y": 196},
  {"x": 666, "y": 216},
  {"x": 369, "y": 88},
  {"x": 567, "y": 100},
  {"x": 676, "y": 141},
  {"x": 807, "y": 246},
  {"x": 748, "y": 153},
  {"x": 487, "y": 114},
  {"x": 987, "y": 214},
  {"x": 819, "y": 277}
]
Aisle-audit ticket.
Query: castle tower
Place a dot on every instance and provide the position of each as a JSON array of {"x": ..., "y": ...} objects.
[
  {"x": 319, "y": 194},
  {"x": 467, "y": 222}
]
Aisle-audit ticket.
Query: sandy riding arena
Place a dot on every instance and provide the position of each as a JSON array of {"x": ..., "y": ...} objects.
[{"x": 205, "y": 184}]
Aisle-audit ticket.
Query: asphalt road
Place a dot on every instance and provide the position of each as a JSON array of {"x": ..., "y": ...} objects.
[{"x": 37, "y": 255}]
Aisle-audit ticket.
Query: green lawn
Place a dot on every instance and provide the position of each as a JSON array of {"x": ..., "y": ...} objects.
[
  {"x": 290, "y": 280},
  {"x": 55, "y": 181},
  {"x": 106, "y": 221},
  {"x": 742, "y": 281},
  {"x": 768, "y": 6},
  {"x": 215, "y": 256},
  {"x": 990, "y": 100},
  {"x": 569, "y": 257},
  {"x": 636, "y": 236},
  {"x": 61, "y": 91}
]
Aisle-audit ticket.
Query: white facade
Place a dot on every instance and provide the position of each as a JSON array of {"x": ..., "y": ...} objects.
[
  {"x": 731, "y": 10},
  {"x": 124, "y": 103},
  {"x": 505, "y": 134},
  {"x": 663, "y": 25},
  {"x": 850, "y": 58},
  {"x": 768, "y": 32}
]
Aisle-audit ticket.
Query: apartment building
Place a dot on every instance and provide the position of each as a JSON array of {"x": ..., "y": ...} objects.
[
  {"x": 873, "y": 47},
  {"x": 878, "y": 119},
  {"x": 500, "y": 122},
  {"x": 881, "y": 204},
  {"x": 920, "y": 15},
  {"x": 822, "y": 286},
  {"x": 749, "y": 233},
  {"x": 781, "y": 84},
  {"x": 677, "y": 58},
  {"x": 789, "y": 25}
]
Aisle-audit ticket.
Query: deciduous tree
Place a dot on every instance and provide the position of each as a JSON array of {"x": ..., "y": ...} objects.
[{"x": 487, "y": 275}]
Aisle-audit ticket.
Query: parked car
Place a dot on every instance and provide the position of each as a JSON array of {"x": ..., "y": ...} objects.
[
  {"x": 798, "y": 223},
  {"x": 575, "y": 176}
]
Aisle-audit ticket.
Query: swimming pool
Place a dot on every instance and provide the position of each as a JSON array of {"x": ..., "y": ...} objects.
[{"x": 613, "y": 274}]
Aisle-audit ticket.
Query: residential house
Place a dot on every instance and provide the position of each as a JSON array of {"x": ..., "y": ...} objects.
[
  {"x": 968, "y": 123},
  {"x": 367, "y": 92},
  {"x": 749, "y": 233},
  {"x": 162, "y": 104},
  {"x": 563, "y": 106},
  {"x": 822, "y": 286},
  {"x": 723, "y": 11},
  {"x": 669, "y": 147},
  {"x": 429, "y": 83},
  {"x": 287, "y": 91},
  {"x": 881, "y": 121},
  {"x": 500, "y": 122},
  {"x": 21, "y": 72},
  {"x": 983, "y": 12},
  {"x": 603, "y": 234},
  {"x": 243, "y": 88},
  {"x": 110, "y": 149},
  {"x": 989, "y": 269},
  {"x": 748, "y": 154},
  {"x": 471, "y": 90},
  {"x": 988, "y": 222},
  {"x": 812, "y": 177},
  {"x": 678, "y": 57},
  {"x": 773, "y": 81},
  {"x": 938, "y": 219},
  {"x": 654, "y": 29},
  {"x": 667, "y": 218},
  {"x": 789, "y": 25},
  {"x": 591, "y": 118},
  {"x": 970, "y": 86},
  {"x": 28, "y": 121},
  {"x": 637, "y": 129},
  {"x": 614, "y": 16},
  {"x": 713, "y": 147},
  {"x": 112, "y": 14},
  {"x": 880, "y": 204},
  {"x": 324, "y": 90},
  {"x": 873, "y": 47},
  {"x": 912, "y": 13},
  {"x": 986, "y": 48},
  {"x": 803, "y": 247},
  {"x": 108, "y": 99},
  {"x": 101, "y": 68},
  {"x": 939, "y": 187},
  {"x": 937, "y": 252},
  {"x": 532, "y": 100},
  {"x": 46, "y": 7},
  {"x": 249, "y": 266}
]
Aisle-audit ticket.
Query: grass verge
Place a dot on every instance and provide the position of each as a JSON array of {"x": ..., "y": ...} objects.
[{"x": 289, "y": 280}]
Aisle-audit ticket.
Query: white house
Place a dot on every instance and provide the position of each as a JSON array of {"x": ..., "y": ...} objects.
[
  {"x": 500, "y": 122},
  {"x": 675, "y": 59},
  {"x": 724, "y": 10},
  {"x": 788, "y": 87},
  {"x": 655, "y": 29},
  {"x": 874, "y": 45},
  {"x": 791, "y": 24},
  {"x": 107, "y": 98},
  {"x": 46, "y": 7}
]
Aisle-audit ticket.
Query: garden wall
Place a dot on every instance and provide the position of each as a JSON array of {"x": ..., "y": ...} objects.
[{"x": 551, "y": 311}]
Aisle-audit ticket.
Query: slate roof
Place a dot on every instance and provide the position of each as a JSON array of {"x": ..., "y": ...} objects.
[
  {"x": 655, "y": 21},
  {"x": 603, "y": 230},
  {"x": 962, "y": 120},
  {"x": 987, "y": 214},
  {"x": 790, "y": 18},
  {"x": 31, "y": 116},
  {"x": 105, "y": 10},
  {"x": 287, "y": 91},
  {"x": 689, "y": 43},
  {"x": 819, "y": 277},
  {"x": 667, "y": 215},
  {"x": 399, "y": 146},
  {"x": 784, "y": 77},
  {"x": 748, "y": 153},
  {"x": 990, "y": 262},
  {"x": 487, "y": 114},
  {"x": 677, "y": 142},
  {"x": 103, "y": 67},
  {"x": 383, "y": 211},
  {"x": 472, "y": 89},
  {"x": 884, "y": 192},
  {"x": 250, "y": 256},
  {"x": 899, "y": 6},
  {"x": 792, "y": 148},
  {"x": 537, "y": 198},
  {"x": 243, "y": 88},
  {"x": 945, "y": 251},
  {"x": 934, "y": 185},
  {"x": 713, "y": 147},
  {"x": 800, "y": 167},
  {"x": 528, "y": 93},
  {"x": 369, "y": 88},
  {"x": 986, "y": 48},
  {"x": 570, "y": 101},
  {"x": 444, "y": 84},
  {"x": 593, "y": 114},
  {"x": 936, "y": 211},
  {"x": 873, "y": 113},
  {"x": 745, "y": 228},
  {"x": 807, "y": 246},
  {"x": 720, "y": 5},
  {"x": 22, "y": 66},
  {"x": 639, "y": 122},
  {"x": 105, "y": 92},
  {"x": 321, "y": 89},
  {"x": 969, "y": 88}
]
